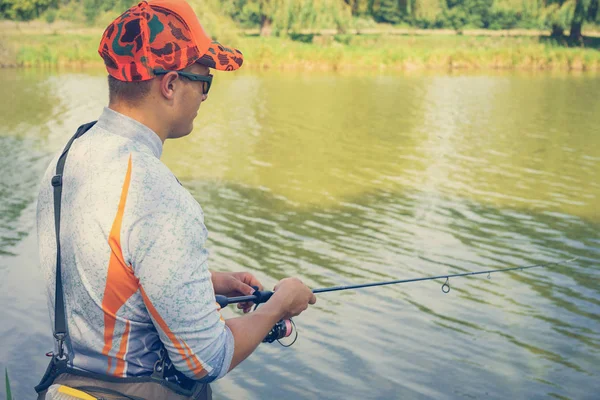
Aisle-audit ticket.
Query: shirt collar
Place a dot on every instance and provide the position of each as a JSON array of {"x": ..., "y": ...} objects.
[{"x": 122, "y": 125}]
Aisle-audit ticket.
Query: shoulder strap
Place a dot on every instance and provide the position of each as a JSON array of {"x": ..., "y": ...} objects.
[{"x": 60, "y": 321}]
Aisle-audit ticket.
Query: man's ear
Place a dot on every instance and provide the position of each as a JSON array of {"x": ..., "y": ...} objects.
[{"x": 168, "y": 84}]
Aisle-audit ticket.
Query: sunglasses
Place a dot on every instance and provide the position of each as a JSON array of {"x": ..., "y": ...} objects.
[{"x": 205, "y": 79}]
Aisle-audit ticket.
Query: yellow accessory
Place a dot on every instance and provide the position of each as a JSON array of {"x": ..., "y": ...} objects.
[{"x": 62, "y": 392}]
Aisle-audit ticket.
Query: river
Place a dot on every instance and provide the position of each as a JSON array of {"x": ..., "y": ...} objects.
[{"x": 345, "y": 179}]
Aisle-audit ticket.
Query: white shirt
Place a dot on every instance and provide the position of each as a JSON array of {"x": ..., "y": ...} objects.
[{"x": 134, "y": 262}]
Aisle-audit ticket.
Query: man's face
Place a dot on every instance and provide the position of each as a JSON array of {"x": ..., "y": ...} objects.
[{"x": 189, "y": 100}]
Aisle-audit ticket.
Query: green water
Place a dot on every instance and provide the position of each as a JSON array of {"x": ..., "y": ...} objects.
[{"x": 347, "y": 179}]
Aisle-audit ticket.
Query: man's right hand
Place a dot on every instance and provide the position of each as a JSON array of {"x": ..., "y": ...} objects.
[
  {"x": 293, "y": 297},
  {"x": 289, "y": 299}
]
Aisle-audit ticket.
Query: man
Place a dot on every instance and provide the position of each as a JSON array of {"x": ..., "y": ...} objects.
[{"x": 139, "y": 300}]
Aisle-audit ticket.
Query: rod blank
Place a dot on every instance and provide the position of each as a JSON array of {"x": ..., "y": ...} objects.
[{"x": 262, "y": 296}]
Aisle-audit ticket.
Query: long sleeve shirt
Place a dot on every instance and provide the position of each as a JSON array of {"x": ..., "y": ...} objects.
[{"x": 134, "y": 262}]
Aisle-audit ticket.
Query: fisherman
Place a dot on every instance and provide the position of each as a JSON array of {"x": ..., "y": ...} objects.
[{"x": 134, "y": 309}]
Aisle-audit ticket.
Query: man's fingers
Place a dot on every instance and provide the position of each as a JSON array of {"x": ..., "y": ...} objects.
[
  {"x": 252, "y": 281},
  {"x": 245, "y": 306},
  {"x": 257, "y": 283},
  {"x": 248, "y": 279},
  {"x": 313, "y": 299},
  {"x": 244, "y": 289}
]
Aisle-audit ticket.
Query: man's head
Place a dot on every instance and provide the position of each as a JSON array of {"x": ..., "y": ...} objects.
[{"x": 158, "y": 58}]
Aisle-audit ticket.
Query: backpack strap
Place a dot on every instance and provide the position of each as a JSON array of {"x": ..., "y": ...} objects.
[{"x": 60, "y": 321}]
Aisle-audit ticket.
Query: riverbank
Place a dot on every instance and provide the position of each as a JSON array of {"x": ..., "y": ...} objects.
[{"x": 29, "y": 47}]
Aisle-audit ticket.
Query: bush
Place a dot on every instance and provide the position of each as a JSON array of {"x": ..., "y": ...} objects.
[
  {"x": 300, "y": 37},
  {"x": 504, "y": 19},
  {"x": 72, "y": 12},
  {"x": 386, "y": 11},
  {"x": 50, "y": 15},
  {"x": 363, "y": 22},
  {"x": 24, "y": 10},
  {"x": 344, "y": 39},
  {"x": 91, "y": 9},
  {"x": 455, "y": 18}
]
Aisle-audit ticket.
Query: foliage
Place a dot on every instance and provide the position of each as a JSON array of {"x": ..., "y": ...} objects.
[
  {"x": 593, "y": 14},
  {"x": 558, "y": 14},
  {"x": 285, "y": 17},
  {"x": 387, "y": 11},
  {"x": 218, "y": 25},
  {"x": 24, "y": 10},
  {"x": 347, "y": 52},
  {"x": 50, "y": 15},
  {"x": 294, "y": 18},
  {"x": 427, "y": 13}
]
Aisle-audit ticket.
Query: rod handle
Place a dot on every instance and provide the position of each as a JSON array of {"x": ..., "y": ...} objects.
[
  {"x": 258, "y": 297},
  {"x": 222, "y": 300}
]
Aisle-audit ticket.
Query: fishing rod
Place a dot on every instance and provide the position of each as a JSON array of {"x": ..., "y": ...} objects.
[{"x": 284, "y": 327}]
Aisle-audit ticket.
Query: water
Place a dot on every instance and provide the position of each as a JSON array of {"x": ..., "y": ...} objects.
[{"x": 347, "y": 179}]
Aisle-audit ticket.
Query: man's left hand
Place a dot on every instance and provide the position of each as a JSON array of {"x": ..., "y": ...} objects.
[{"x": 233, "y": 284}]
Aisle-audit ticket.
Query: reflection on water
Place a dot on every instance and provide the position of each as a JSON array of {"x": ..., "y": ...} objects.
[{"x": 351, "y": 179}]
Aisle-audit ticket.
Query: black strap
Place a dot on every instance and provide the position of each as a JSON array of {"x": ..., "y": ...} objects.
[
  {"x": 59, "y": 363},
  {"x": 60, "y": 321}
]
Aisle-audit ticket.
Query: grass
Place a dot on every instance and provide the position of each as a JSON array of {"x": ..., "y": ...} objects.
[
  {"x": 335, "y": 52},
  {"x": 417, "y": 52},
  {"x": 54, "y": 49},
  {"x": 8, "y": 392}
]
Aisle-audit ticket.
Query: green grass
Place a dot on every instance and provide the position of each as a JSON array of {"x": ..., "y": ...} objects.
[
  {"x": 411, "y": 52},
  {"x": 8, "y": 392},
  {"x": 342, "y": 52},
  {"x": 56, "y": 49}
]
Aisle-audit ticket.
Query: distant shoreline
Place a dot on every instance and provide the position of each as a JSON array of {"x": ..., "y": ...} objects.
[
  {"x": 37, "y": 43},
  {"x": 38, "y": 26}
]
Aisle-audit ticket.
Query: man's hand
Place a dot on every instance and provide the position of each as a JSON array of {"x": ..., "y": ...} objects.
[
  {"x": 290, "y": 298},
  {"x": 233, "y": 284},
  {"x": 294, "y": 296}
]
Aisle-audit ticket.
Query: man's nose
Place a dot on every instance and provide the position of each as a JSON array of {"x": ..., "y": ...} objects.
[{"x": 204, "y": 97}]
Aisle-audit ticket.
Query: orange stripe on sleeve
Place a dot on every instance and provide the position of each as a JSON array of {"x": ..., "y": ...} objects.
[
  {"x": 121, "y": 283},
  {"x": 184, "y": 351}
]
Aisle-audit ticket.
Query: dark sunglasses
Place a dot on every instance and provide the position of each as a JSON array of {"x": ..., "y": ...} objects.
[{"x": 205, "y": 79}]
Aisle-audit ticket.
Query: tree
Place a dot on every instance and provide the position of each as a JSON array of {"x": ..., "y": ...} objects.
[
  {"x": 557, "y": 14},
  {"x": 385, "y": 11},
  {"x": 585, "y": 10},
  {"x": 425, "y": 13},
  {"x": 356, "y": 6},
  {"x": 474, "y": 13},
  {"x": 593, "y": 15},
  {"x": 577, "y": 22},
  {"x": 265, "y": 10},
  {"x": 24, "y": 10},
  {"x": 282, "y": 17}
]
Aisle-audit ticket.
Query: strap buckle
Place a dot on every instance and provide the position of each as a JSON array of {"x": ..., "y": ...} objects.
[
  {"x": 60, "y": 338},
  {"x": 57, "y": 180},
  {"x": 159, "y": 365}
]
